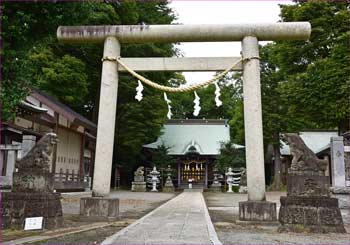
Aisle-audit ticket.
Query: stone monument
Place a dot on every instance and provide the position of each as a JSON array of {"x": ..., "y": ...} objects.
[
  {"x": 339, "y": 189},
  {"x": 168, "y": 186},
  {"x": 139, "y": 184},
  {"x": 308, "y": 205},
  {"x": 216, "y": 186},
  {"x": 32, "y": 193},
  {"x": 243, "y": 182}
]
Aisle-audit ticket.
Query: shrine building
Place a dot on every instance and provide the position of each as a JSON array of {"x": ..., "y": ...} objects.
[{"x": 195, "y": 144}]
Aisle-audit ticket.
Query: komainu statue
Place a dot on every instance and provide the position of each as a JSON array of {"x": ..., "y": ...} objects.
[
  {"x": 304, "y": 159},
  {"x": 39, "y": 156},
  {"x": 139, "y": 183},
  {"x": 32, "y": 192},
  {"x": 308, "y": 205},
  {"x": 139, "y": 171}
]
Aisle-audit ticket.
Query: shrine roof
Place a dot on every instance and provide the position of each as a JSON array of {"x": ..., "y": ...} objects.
[{"x": 202, "y": 135}]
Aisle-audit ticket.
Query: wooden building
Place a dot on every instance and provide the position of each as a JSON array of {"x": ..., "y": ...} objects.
[
  {"x": 73, "y": 156},
  {"x": 195, "y": 143}
]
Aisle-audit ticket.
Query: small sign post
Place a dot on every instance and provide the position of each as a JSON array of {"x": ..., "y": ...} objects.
[{"x": 33, "y": 223}]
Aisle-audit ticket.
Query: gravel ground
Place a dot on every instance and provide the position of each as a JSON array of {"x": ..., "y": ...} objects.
[
  {"x": 223, "y": 209},
  {"x": 95, "y": 236},
  {"x": 133, "y": 205}
]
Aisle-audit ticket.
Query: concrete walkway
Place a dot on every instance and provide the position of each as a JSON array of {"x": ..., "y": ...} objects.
[{"x": 182, "y": 220}]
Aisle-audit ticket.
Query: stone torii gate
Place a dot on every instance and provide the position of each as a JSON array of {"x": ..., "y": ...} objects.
[{"x": 248, "y": 34}]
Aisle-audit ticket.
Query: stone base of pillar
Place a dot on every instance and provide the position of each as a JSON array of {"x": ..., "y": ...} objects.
[
  {"x": 215, "y": 187},
  {"x": 257, "y": 211},
  {"x": 343, "y": 196},
  {"x": 99, "y": 207},
  {"x": 310, "y": 214},
  {"x": 138, "y": 186}
]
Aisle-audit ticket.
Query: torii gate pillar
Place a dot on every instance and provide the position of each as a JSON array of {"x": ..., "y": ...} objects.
[
  {"x": 253, "y": 119},
  {"x": 106, "y": 119}
]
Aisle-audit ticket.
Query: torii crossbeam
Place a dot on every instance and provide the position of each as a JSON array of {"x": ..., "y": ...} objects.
[{"x": 248, "y": 34}]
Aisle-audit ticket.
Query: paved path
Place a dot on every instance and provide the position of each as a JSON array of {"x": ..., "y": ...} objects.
[{"x": 182, "y": 220}]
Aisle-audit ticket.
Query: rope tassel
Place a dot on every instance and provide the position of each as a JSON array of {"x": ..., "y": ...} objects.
[
  {"x": 169, "y": 106},
  {"x": 139, "y": 89},
  {"x": 196, "y": 102},
  {"x": 217, "y": 95}
]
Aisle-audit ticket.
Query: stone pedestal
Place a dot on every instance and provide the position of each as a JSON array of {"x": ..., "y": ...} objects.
[
  {"x": 99, "y": 207},
  {"x": 308, "y": 206},
  {"x": 169, "y": 186},
  {"x": 257, "y": 211},
  {"x": 307, "y": 184},
  {"x": 17, "y": 206},
  {"x": 311, "y": 214},
  {"x": 343, "y": 196},
  {"x": 139, "y": 184},
  {"x": 32, "y": 179}
]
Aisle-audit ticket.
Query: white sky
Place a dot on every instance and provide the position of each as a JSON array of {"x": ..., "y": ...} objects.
[{"x": 220, "y": 12}]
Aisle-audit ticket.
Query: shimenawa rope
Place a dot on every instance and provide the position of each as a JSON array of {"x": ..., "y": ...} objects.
[{"x": 167, "y": 88}]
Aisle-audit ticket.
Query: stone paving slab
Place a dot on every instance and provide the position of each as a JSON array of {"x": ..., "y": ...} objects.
[{"x": 182, "y": 220}]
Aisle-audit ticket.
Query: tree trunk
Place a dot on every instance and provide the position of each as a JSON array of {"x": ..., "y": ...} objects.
[
  {"x": 278, "y": 165},
  {"x": 277, "y": 183}
]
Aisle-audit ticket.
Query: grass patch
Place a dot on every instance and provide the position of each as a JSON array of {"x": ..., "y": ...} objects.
[{"x": 12, "y": 234}]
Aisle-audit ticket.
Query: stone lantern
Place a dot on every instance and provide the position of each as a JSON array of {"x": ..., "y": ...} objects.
[
  {"x": 216, "y": 186},
  {"x": 155, "y": 175},
  {"x": 229, "y": 179},
  {"x": 169, "y": 186}
]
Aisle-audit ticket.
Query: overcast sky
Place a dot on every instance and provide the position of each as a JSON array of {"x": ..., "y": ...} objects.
[{"x": 220, "y": 12}]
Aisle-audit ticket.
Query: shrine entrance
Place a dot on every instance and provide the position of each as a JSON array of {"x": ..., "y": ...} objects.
[
  {"x": 248, "y": 34},
  {"x": 195, "y": 170}
]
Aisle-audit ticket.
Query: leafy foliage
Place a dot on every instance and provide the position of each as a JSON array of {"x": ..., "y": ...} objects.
[
  {"x": 71, "y": 73},
  {"x": 161, "y": 159},
  {"x": 230, "y": 156},
  {"x": 306, "y": 83}
]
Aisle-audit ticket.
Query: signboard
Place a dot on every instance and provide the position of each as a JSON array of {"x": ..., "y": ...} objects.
[{"x": 33, "y": 223}]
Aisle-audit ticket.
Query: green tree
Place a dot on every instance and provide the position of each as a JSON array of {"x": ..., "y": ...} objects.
[
  {"x": 71, "y": 73},
  {"x": 305, "y": 84},
  {"x": 230, "y": 156},
  {"x": 314, "y": 75},
  {"x": 161, "y": 157}
]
